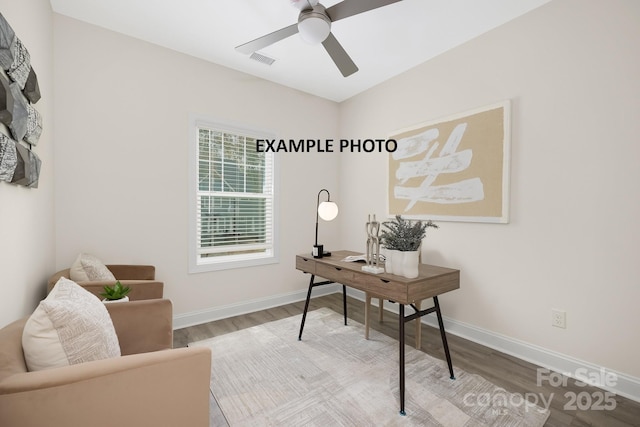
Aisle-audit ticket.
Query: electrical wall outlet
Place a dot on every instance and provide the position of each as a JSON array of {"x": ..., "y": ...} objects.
[{"x": 558, "y": 318}]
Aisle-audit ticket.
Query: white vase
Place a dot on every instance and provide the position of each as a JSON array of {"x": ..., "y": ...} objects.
[
  {"x": 396, "y": 262},
  {"x": 388, "y": 268},
  {"x": 108, "y": 301},
  {"x": 410, "y": 268}
]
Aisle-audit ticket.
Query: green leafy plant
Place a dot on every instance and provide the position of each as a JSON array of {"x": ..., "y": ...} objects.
[
  {"x": 115, "y": 292},
  {"x": 404, "y": 235}
]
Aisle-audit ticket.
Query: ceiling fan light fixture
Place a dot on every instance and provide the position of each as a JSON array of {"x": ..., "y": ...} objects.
[{"x": 314, "y": 25}]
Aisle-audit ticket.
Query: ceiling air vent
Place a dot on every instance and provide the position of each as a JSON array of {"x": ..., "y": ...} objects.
[{"x": 262, "y": 58}]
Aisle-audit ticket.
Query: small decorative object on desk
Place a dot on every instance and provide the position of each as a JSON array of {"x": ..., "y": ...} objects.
[
  {"x": 402, "y": 240},
  {"x": 115, "y": 293},
  {"x": 373, "y": 247}
]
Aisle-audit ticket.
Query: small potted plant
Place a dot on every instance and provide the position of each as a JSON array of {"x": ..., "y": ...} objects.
[
  {"x": 115, "y": 293},
  {"x": 404, "y": 237}
]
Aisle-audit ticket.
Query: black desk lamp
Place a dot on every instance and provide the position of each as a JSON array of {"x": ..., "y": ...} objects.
[{"x": 326, "y": 210}]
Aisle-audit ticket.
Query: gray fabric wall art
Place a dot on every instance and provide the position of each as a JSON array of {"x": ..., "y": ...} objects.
[
  {"x": 19, "y": 70},
  {"x": 6, "y": 102},
  {"x": 34, "y": 125},
  {"x": 19, "y": 89},
  {"x": 27, "y": 169},
  {"x": 7, "y": 36},
  {"x": 8, "y": 158},
  {"x": 18, "y": 125},
  {"x": 31, "y": 87}
]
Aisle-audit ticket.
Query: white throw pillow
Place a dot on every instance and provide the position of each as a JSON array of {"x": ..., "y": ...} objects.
[
  {"x": 88, "y": 268},
  {"x": 70, "y": 326}
]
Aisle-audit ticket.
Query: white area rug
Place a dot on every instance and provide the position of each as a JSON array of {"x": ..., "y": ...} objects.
[{"x": 264, "y": 376}]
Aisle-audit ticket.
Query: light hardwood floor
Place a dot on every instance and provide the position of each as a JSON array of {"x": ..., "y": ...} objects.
[{"x": 513, "y": 374}]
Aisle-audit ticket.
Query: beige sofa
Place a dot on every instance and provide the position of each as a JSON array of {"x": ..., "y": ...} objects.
[
  {"x": 141, "y": 279},
  {"x": 149, "y": 385}
]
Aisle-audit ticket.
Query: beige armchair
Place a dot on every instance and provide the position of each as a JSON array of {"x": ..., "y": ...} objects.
[
  {"x": 141, "y": 279},
  {"x": 149, "y": 385}
]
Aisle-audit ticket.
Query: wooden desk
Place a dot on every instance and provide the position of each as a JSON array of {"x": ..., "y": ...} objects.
[{"x": 431, "y": 282}]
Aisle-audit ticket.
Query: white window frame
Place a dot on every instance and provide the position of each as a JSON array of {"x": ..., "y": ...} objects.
[{"x": 198, "y": 264}]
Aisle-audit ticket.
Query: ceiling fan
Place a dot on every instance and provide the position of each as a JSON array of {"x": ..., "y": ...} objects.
[{"x": 314, "y": 26}]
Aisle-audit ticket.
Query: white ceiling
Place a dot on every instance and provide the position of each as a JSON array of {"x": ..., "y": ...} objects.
[{"x": 383, "y": 42}]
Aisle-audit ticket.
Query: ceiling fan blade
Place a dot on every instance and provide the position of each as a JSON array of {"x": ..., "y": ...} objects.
[
  {"x": 349, "y": 8},
  {"x": 267, "y": 40},
  {"x": 339, "y": 56}
]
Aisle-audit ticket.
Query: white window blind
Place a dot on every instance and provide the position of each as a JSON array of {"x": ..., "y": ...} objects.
[{"x": 234, "y": 197}]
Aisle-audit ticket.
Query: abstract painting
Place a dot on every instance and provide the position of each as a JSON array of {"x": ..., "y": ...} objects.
[{"x": 453, "y": 169}]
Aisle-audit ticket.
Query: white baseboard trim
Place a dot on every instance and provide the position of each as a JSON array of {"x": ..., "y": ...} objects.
[
  {"x": 601, "y": 377},
  {"x": 618, "y": 383},
  {"x": 209, "y": 315}
]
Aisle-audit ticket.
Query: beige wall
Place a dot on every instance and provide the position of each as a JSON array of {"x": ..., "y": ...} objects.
[
  {"x": 122, "y": 120},
  {"x": 121, "y": 114},
  {"x": 571, "y": 70},
  {"x": 26, "y": 215}
]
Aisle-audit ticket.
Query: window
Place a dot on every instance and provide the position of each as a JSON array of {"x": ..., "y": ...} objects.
[{"x": 233, "y": 198}]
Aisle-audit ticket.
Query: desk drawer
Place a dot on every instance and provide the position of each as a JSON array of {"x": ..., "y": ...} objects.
[
  {"x": 308, "y": 265},
  {"x": 381, "y": 287},
  {"x": 337, "y": 274}
]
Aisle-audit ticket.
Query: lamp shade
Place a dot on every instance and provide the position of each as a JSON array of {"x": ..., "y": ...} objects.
[{"x": 328, "y": 210}]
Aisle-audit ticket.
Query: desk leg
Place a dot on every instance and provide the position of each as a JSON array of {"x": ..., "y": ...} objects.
[
  {"x": 444, "y": 336},
  {"x": 418, "y": 327},
  {"x": 344, "y": 303},
  {"x": 401, "y": 358},
  {"x": 367, "y": 309},
  {"x": 306, "y": 307}
]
